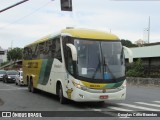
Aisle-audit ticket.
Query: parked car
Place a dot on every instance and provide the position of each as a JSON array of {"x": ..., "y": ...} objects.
[
  {"x": 10, "y": 76},
  {"x": 2, "y": 73},
  {"x": 19, "y": 78}
]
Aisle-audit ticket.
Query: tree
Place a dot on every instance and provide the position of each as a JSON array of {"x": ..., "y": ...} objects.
[
  {"x": 128, "y": 43},
  {"x": 14, "y": 54}
]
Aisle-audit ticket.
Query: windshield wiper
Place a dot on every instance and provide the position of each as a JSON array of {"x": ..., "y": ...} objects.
[
  {"x": 99, "y": 63},
  {"x": 106, "y": 67},
  {"x": 98, "y": 66},
  {"x": 121, "y": 56}
]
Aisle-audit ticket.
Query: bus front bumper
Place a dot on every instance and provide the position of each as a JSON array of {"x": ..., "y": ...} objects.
[{"x": 84, "y": 96}]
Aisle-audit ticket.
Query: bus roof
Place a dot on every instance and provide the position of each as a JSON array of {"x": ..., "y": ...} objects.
[
  {"x": 80, "y": 33},
  {"x": 90, "y": 34}
]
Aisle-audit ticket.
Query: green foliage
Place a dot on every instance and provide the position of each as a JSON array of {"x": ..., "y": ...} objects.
[
  {"x": 128, "y": 43},
  {"x": 4, "y": 63},
  {"x": 15, "y": 54},
  {"x": 136, "y": 69}
]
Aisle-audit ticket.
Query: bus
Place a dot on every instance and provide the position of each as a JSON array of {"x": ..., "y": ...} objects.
[{"x": 77, "y": 64}]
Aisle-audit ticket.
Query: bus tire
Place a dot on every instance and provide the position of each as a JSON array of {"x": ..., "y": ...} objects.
[
  {"x": 16, "y": 83},
  {"x": 62, "y": 99},
  {"x": 6, "y": 81},
  {"x": 33, "y": 90},
  {"x": 29, "y": 86}
]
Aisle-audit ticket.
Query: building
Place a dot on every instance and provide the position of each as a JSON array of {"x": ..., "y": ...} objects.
[
  {"x": 140, "y": 42},
  {"x": 150, "y": 56},
  {"x": 3, "y": 57}
]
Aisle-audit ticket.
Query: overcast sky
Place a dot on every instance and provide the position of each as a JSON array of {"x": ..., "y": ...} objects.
[{"x": 128, "y": 19}]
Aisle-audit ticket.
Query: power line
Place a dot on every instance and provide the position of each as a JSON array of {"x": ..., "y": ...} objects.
[
  {"x": 7, "y": 8},
  {"x": 25, "y": 15}
]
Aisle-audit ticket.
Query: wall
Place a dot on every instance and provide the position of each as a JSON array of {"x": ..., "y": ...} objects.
[{"x": 143, "y": 81}]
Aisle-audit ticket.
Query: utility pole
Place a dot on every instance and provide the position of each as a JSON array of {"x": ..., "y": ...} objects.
[
  {"x": 110, "y": 31},
  {"x": 13, "y": 5},
  {"x": 11, "y": 44},
  {"x": 148, "y": 29}
]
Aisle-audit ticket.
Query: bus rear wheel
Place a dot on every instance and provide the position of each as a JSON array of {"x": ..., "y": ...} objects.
[
  {"x": 29, "y": 86},
  {"x": 62, "y": 99},
  {"x": 33, "y": 90},
  {"x": 6, "y": 81}
]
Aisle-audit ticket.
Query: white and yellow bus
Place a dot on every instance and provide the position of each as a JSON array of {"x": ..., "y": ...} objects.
[{"x": 77, "y": 64}]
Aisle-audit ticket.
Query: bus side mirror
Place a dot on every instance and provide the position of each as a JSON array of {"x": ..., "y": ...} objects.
[
  {"x": 73, "y": 51},
  {"x": 130, "y": 54}
]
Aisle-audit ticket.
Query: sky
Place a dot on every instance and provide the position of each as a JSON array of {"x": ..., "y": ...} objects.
[{"x": 34, "y": 19}]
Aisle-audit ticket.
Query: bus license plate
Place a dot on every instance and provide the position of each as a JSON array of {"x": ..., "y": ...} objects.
[{"x": 103, "y": 97}]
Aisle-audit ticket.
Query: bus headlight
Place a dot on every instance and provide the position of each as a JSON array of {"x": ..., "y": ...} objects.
[
  {"x": 77, "y": 85},
  {"x": 123, "y": 85}
]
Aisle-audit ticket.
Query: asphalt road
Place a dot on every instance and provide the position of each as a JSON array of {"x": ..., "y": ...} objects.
[{"x": 16, "y": 98}]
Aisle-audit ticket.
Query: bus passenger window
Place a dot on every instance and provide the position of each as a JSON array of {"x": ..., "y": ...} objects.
[
  {"x": 29, "y": 57},
  {"x": 35, "y": 51},
  {"x": 41, "y": 50},
  {"x": 56, "y": 49},
  {"x": 49, "y": 49}
]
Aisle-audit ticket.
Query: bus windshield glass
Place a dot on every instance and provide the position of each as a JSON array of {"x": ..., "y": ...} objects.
[{"x": 102, "y": 60}]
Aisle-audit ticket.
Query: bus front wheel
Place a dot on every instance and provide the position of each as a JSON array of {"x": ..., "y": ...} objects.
[{"x": 61, "y": 97}]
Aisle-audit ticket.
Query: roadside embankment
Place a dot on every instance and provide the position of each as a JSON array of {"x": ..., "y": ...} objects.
[{"x": 143, "y": 81}]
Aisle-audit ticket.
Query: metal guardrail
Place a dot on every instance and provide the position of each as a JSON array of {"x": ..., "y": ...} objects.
[{"x": 10, "y": 64}]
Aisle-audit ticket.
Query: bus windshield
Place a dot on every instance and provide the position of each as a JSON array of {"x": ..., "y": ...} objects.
[{"x": 103, "y": 60}]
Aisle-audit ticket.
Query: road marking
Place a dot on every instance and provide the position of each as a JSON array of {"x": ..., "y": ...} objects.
[
  {"x": 8, "y": 89},
  {"x": 10, "y": 86},
  {"x": 119, "y": 109},
  {"x": 125, "y": 117},
  {"x": 22, "y": 88},
  {"x": 14, "y": 89},
  {"x": 143, "y": 103},
  {"x": 138, "y": 107},
  {"x": 157, "y": 101},
  {"x": 98, "y": 110}
]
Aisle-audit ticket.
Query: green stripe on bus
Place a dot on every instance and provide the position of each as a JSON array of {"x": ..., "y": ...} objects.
[
  {"x": 118, "y": 84},
  {"x": 45, "y": 71},
  {"x": 42, "y": 72},
  {"x": 113, "y": 85}
]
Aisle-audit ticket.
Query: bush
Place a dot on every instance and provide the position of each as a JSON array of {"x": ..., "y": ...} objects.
[
  {"x": 4, "y": 63},
  {"x": 136, "y": 69}
]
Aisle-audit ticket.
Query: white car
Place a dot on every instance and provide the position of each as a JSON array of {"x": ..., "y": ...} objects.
[{"x": 19, "y": 78}]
